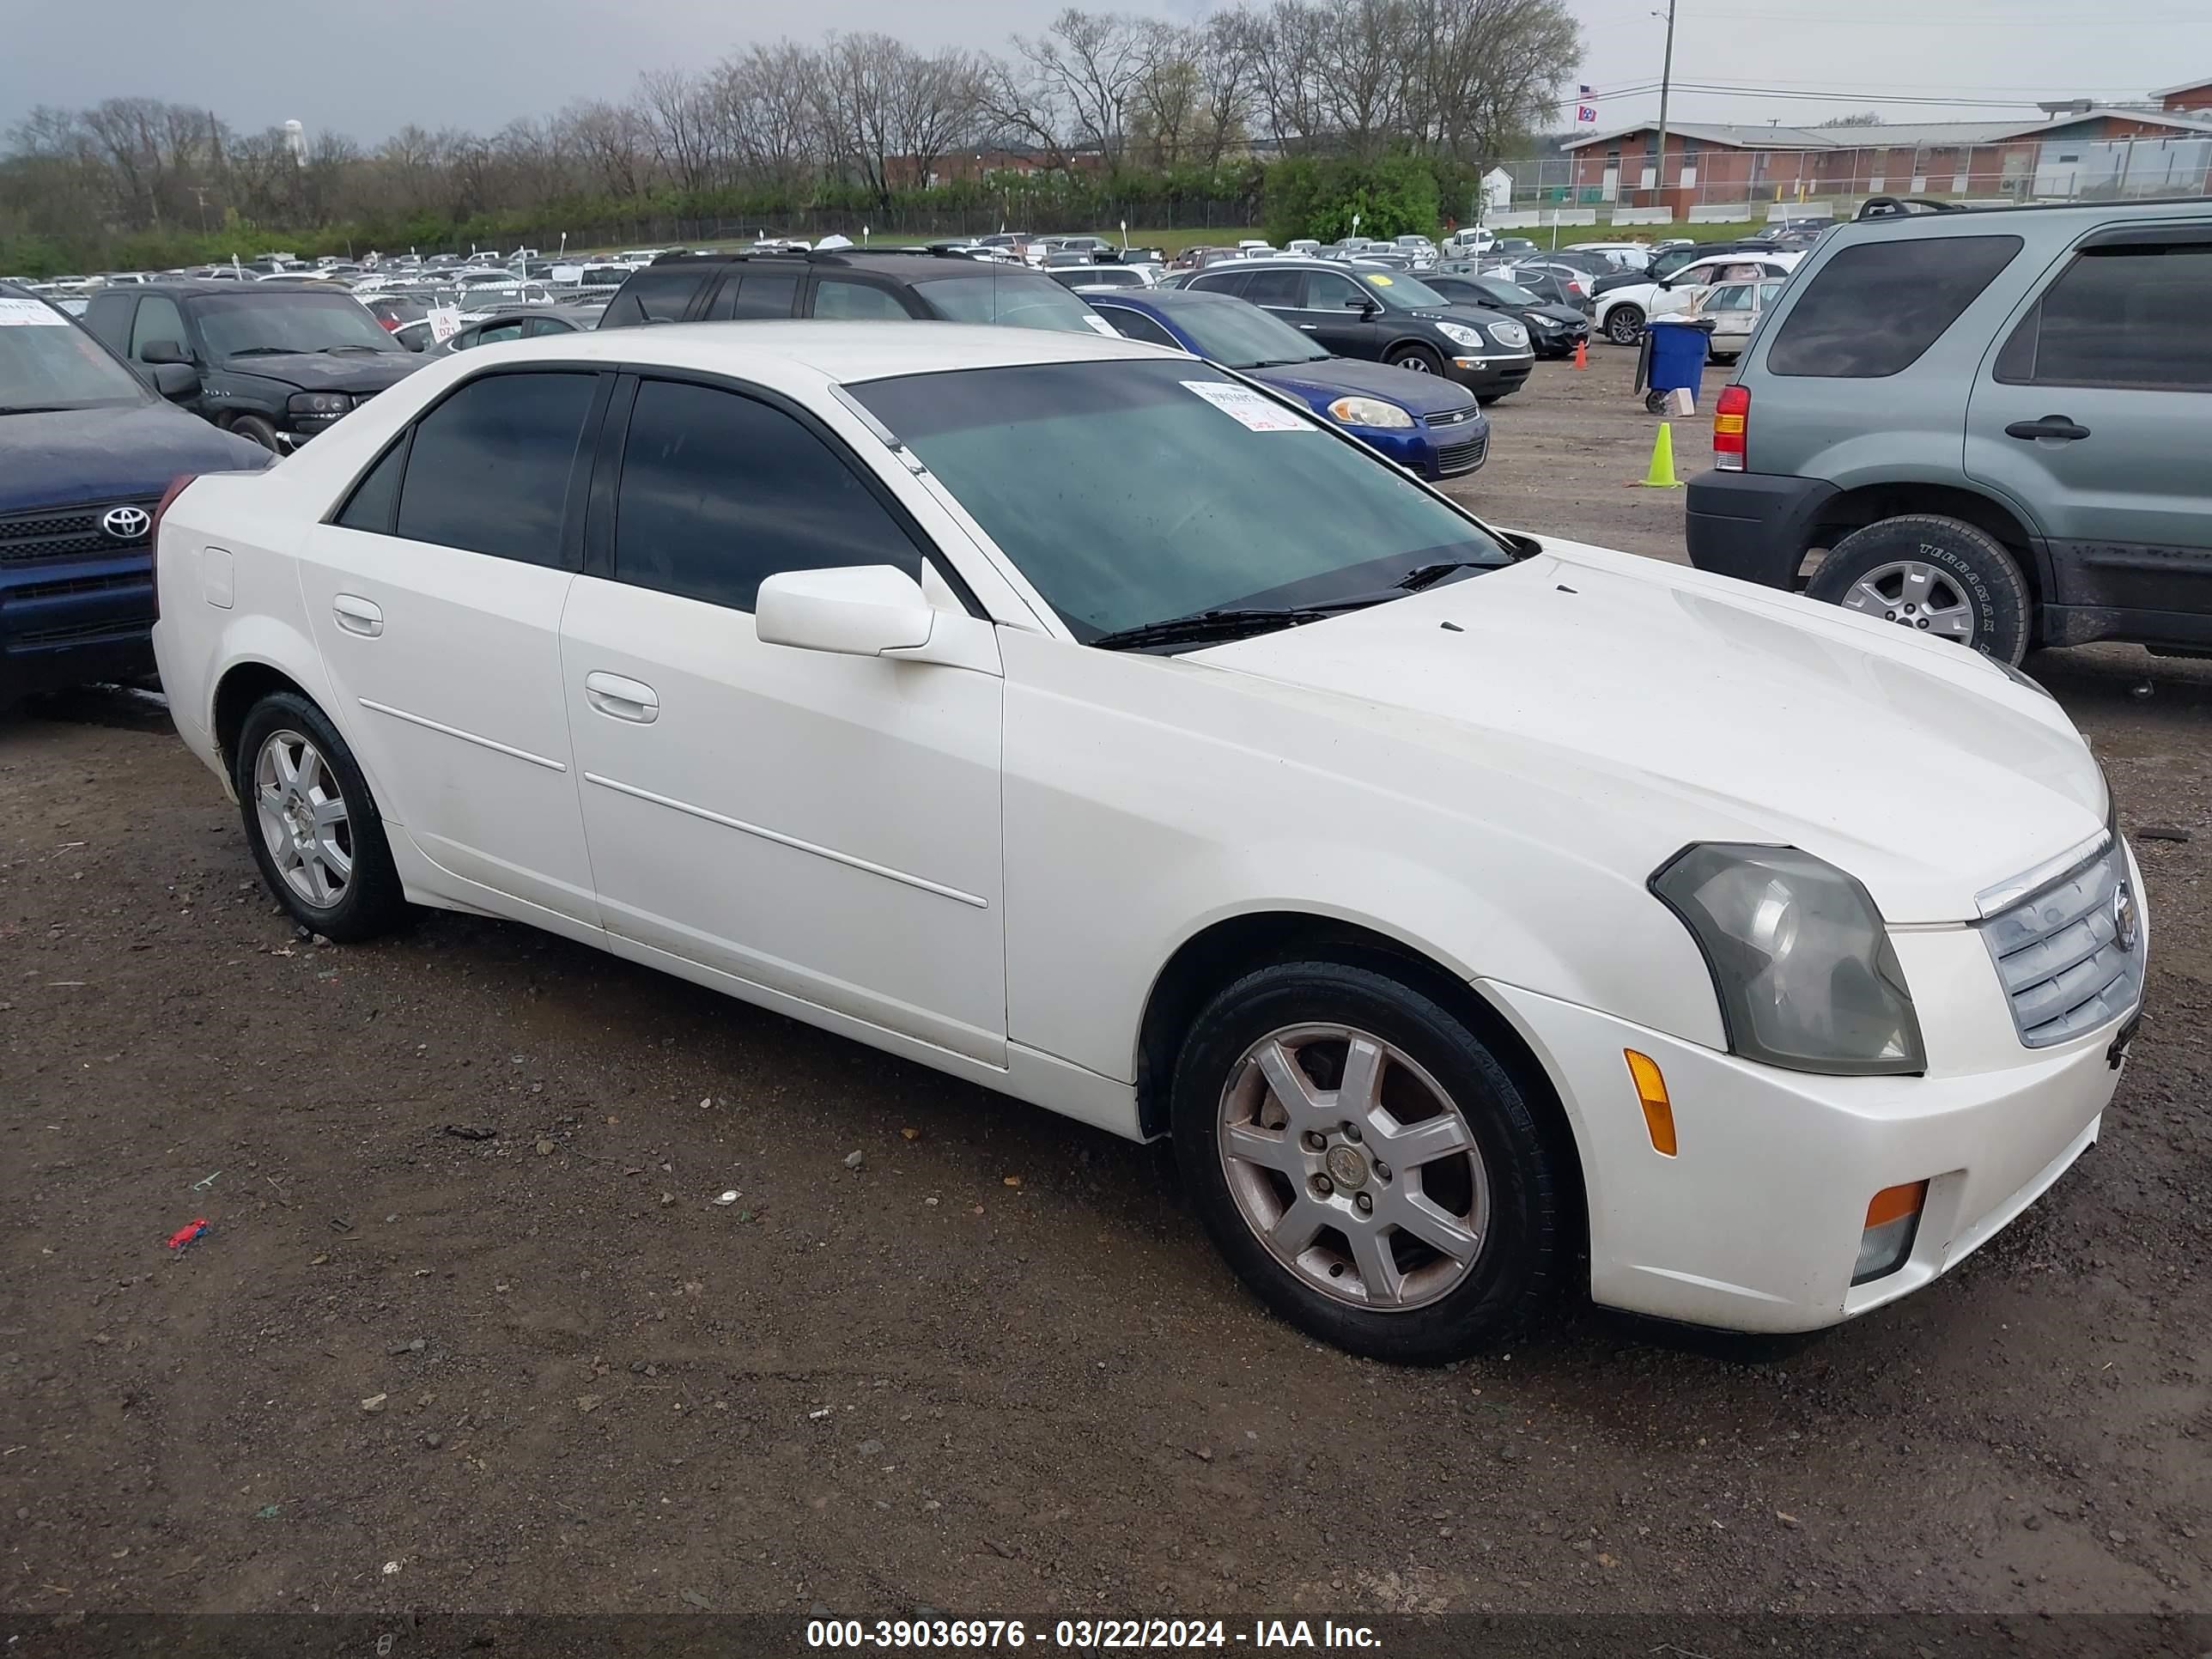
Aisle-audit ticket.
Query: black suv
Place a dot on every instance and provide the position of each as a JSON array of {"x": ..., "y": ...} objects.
[
  {"x": 276, "y": 361},
  {"x": 1385, "y": 316},
  {"x": 850, "y": 284}
]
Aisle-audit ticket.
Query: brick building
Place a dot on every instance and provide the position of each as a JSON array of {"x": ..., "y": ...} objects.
[{"x": 2075, "y": 148}]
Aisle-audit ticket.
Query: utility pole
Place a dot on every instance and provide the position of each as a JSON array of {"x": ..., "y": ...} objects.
[{"x": 1666, "y": 80}]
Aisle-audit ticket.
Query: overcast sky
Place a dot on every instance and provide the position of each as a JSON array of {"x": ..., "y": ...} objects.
[{"x": 368, "y": 70}]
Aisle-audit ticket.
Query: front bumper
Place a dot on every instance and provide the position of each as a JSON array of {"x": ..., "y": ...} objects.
[
  {"x": 1756, "y": 526},
  {"x": 67, "y": 623},
  {"x": 1754, "y": 1224},
  {"x": 1559, "y": 342},
  {"x": 1490, "y": 374}
]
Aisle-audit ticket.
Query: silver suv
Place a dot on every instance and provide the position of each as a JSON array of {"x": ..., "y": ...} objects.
[{"x": 1989, "y": 424}]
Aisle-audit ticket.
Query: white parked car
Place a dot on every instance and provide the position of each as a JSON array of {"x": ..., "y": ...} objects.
[
  {"x": 1622, "y": 312},
  {"x": 1626, "y": 256},
  {"x": 1072, "y": 717},
  {"x": 1734, "y": 310}
]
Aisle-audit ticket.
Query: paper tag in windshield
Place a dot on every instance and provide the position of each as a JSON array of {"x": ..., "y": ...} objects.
[
  {"x": 1104, "y": 327},
  {"x": 1248, "y": 408},
  {"x": 445, "y": 323},
  {"x": 30, "y": 314}
]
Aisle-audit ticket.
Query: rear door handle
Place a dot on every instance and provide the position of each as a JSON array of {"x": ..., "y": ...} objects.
[
  {"x": 1311, "y": 328},
  {"x": 357, "y": 615},
  {"x": 623, "y": 699},
  {"x": 2050, "y": 426}
]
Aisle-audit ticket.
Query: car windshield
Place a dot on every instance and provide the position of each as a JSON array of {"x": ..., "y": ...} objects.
[
  {"x": 1240, "y": 336},
  {"x": 47, "y": 362},
  {"x": 1401, "y": 292},
  {"x": 1132, "y": 492},
  {"x": 301, "y": 321},
  {"x": 1018, "y": 301}
]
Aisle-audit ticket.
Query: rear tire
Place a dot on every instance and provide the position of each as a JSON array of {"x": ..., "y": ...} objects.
[
  {"x": 1934, "y": 574},
  {"x": 1455, "y": 1248},
  {"x": 313, "y": 825}
]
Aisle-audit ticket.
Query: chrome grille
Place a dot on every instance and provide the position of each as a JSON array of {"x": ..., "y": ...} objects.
[
  {"x": 2059, "y": 954},
  {"x": 1453, "y": 417}
]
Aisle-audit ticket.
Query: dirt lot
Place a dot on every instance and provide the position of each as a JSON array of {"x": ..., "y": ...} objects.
[{"x": 994, "y": 1368}]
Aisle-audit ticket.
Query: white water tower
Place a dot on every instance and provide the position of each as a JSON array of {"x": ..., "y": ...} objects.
[{"x": 295, "y": 139}]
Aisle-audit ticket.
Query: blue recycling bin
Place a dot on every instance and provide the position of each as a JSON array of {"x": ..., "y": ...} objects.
[{"x": 1678, "y": 353}]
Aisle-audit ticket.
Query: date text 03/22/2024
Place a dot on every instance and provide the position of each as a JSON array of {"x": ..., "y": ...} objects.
[{"x": 1087, "y": 1635}]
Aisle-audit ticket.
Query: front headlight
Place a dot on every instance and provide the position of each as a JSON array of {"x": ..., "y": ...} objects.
[
  {"x": 1800, "y": 960},
  {"x": 320, "y": 403},
  {"x": 1462, "y": 336},
  {"x": 1509, "y": 334},
  {"x": 1369, "y": 412}
]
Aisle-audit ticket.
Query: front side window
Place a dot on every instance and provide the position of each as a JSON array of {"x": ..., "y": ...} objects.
[
  {"x": 720, "y": 491},
  {"x": 1129, "y": 492},
  {"x": 46, "y": 361},
  {"x": 754, "y": 294},
  {"x": 1872, "y": 310},
  {"x": 265, "y": 323},
  {"x": 2131, "y": 316},
  {"x": 158, "y": 318},
  {"x": 655, "y": 295},
  {"x": 489, "y": 469},
  {"x": 1283, "y": 289},
  {"x": 1331, "y": 290},
  {"x": 1135, "y": 325}
]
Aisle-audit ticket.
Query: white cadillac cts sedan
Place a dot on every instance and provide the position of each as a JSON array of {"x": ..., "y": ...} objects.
[{"x": 1068, "y": 715}]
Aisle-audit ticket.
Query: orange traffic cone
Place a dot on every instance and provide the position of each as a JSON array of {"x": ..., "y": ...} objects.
[{"x": 1582, "y": 354}]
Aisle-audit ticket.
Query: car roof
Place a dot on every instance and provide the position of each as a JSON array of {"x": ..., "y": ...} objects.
[
  {"x": 912, "y": 262},
  {"x": 842, "y": 352},
  {"x": 187, "y": 287}
]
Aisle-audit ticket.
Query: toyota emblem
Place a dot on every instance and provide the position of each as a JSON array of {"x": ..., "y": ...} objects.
[
  {"x": 126, "y": 524},
  {"x": 2127, "y": 921}
]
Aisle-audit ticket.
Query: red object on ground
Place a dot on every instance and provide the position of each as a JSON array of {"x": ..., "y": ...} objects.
[{"x": 186, "y": 1234}]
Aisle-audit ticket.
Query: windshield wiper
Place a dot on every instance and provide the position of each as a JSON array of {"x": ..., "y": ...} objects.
[
  {"x": 264, "y": 351},
  {"x": 1230, "y": 623},
  {"x": 34, "y": 409},
  {"x": 1427, "y": 576},
  {"x": 374, "y": 351}
]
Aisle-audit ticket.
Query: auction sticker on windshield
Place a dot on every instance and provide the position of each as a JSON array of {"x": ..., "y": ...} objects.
[
  {"x": 1247, "y": 406},
  {"x": 1378, "y": 279},
  {"x": 30, "y": 314}
]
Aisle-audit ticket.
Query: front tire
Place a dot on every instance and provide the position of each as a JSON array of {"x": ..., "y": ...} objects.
[
  {"x": 1624, "y": 324},
  {"x": 1417, "y": 359},
  {"x": 1367, "y": 1166},
  {"x": 1935, "y": 575},
  {"x": 261, "y": 431},
  {"x": 314, "y": 826}
]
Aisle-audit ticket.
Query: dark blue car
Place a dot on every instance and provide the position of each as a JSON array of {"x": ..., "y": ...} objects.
[
  {"x": 86, "y": 449},
  {"x": 1424, "y": 423}
]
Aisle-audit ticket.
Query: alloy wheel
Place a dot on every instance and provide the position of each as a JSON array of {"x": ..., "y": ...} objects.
[
  {"x": 305, "y": 823},
  {"x": 1914, "y": 595},
  {"x": 1353, "y": 1167}
]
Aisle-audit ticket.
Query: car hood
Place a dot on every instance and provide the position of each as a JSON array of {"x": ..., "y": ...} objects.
[
  {"x": 1677, "y": 707},
  {"x": 109, "y": 454},
  {"x": 317, "y": 370},
  {"x": 1465, "y": 315},
  {"x": 1335, "y": 377}
]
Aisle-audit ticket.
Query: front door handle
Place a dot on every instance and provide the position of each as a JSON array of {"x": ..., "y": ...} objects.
[
  {"x": 2050, "y": 426},
  {"x": 623, "y": 699},
  {"x": 1311, "y": 328},
  {"x": 357, "y": 615}
]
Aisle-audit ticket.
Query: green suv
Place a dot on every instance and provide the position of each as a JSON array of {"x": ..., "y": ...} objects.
[{"x": 1993, "y": 425}]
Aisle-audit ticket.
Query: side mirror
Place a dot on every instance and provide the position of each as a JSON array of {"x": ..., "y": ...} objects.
[
  {"x": 858, "y": 611},
  {"x": 162, "y": 351},
  {"x": 1363, "y": 305},
  {"x": 175, "y": 380}
]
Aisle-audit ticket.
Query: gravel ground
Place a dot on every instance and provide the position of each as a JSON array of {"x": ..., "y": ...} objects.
[{"x": 470, "y": 1330}]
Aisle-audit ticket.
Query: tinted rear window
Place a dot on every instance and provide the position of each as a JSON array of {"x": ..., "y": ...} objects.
[
  {"x": 489, "y": 469},
  {"x": 1872, "y": 310},
  {"x": 653, "y": 295},
  {"x": 2131, "y": 316}
]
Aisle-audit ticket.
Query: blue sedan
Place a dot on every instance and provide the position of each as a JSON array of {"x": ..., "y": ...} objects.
[{"x": 1427, "y": 424}]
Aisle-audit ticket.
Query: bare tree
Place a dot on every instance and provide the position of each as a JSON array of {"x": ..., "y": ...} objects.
[
  {"x": 677, "y": 113},
  {"x": 1086, "y": 65}
]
